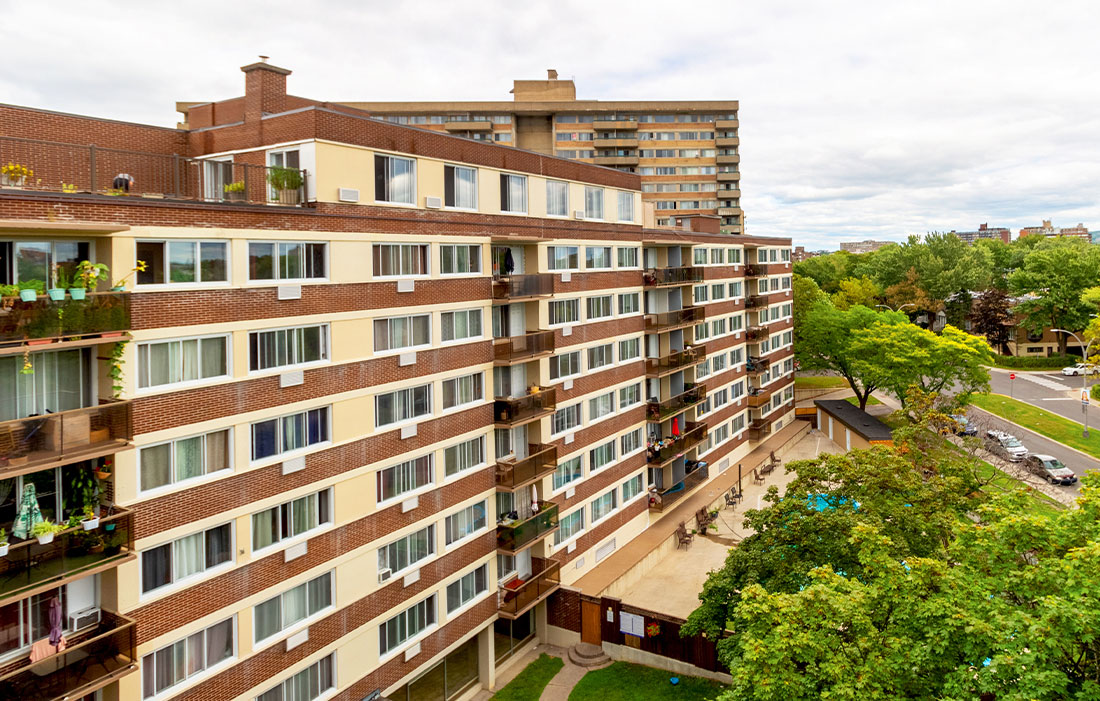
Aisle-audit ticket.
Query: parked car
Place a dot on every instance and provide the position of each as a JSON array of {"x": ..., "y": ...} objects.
[
  {"x": 1050, "y": 468},
  {"x": 1005, "y": 445},
  {"x": 964, "y": 427},
  {"x": 1081, "y": 369}
]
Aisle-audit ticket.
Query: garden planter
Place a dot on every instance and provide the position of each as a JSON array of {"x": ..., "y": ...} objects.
[
  {"x": 4, "y": 550},
  {"x": 289, "y": 196},
  {"x": 77, "y": 292},
  {"x": 8, "y": 181},
  {"x": 90, "y": 524},
  {"x": 46, "y": 539},
  {"x": 18, "y": 460},
  {"x": 99, "y": 435},
  {"x": 28, "y": 295},
  {"x": 235, "y": 196},
  {"x": 96, "y": 549},
  {"x": 118, "y": 288},
  {"x": 103, "y": 475},
  {"x": 39, "y": 341},
  {"x": 56, "y": 294}
]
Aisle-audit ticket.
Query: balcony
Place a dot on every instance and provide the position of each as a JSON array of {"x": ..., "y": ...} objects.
[
  {"x": 468, "y": 125},
  {"x": 728, "y": 175},
  {"x": 663, "y": 500},
  {"x": 616, "y": 142},
  {"x": 94, "y": 658},
  {"x": 729, "y": 211},
  {"x": 756, "y": 365},
  {"x": 616, "y": 124},
  {"x": 728, "y": 193},
  {"x": 669, "y": 321},
  {"x": 756, "y": 333},
  {"x": 726, "y": 123},
  {"x": 541, "y": 461},
  {"x": 759, "y": 429},
  {"x": 616, "y": 160},
  {"x": 756, "y": 270},
  {"x": 520, "y": 595},
  {"x": 30, "y": 568},
  {"x": 692, "y": 395},
  {"x": 514, "y": 287},
  {"x": 727, "y": 158},
  {"x": 72, "y": 319},
  {"x": 677, "y": 360},
  {"x": 667, "y": 277},
  {"x": 38, "y": 442},
  {"x": 516, "y": 535},
  {"x": 726, "y": 141},
  {"x": 520, "y": 349},
  {"x": 759, "y": 397},
  {"x": 694, "y": 433},
  {"x": 756, "y": 301},
  {"x": 520, "y": 410}
]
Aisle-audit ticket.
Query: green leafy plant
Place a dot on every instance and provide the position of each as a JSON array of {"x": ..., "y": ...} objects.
[
  {"x": 139, "y": 268},
  {"x": 3, "y": 537},
  {"x": 91, "y": 273},
  {"x": 45, "y": 527},
  {"x": 236, "y": 187},
  {"x": 28, "y": 368},
  {"x": 38, "y": 286},
  {"x": 114, "y": 370},
  {"x": 74, "y": 521},
  {"x": 63, "y": 276},
  {"x": 284, "y": 178}
]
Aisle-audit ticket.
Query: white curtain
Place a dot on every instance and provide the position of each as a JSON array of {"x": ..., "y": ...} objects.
[
  {"x": 187, "y": 556},
  {"x": 402, "y": 180},
  {"x": 466, "y": 188},
  {"x": 188, "y": 458}
]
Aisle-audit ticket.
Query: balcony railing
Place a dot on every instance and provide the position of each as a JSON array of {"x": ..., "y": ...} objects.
[
  {"x": 97, "y": 313},
  {"x": 667, "y": 321},
  {"x": 692, "y": 395},
  {"x": 677, "y": 360},
  {"x": 517, "y": 286},
  {"x": 522, "y": 348},
  {"x": 75, "y": 552},
  {"x": 517, "y": 535},
  {"x": 756, "y": 333},
  {"x": 756, "y": 270},
  {"x": 75, "y": 169},
  {"x": 760, "y": 429},
  {"x": 663, "y": 500},
  {"x": 37, "y": 442},
  {"x": 759, "y": 397},
  {"x": 694, "y": 434},
  {"x": 660, "y": 277},
  {"x": 525, "y": 408},
  {"x": 756, "y": 302},
  {"x": 93, "y": 658},
  {"x": 518, "y": 596},
  {"x": 540, "y": 461},
  {"x": 756, "y": 365}
]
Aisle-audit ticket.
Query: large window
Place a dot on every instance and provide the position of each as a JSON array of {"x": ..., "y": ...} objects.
[
  {"x": 597, "y": 257},
  {"x": 297, "y": 260},
  {"x": 564, "y": 311},
  {"x": 626, "y": 206},
  {"x": 601, "y": 356},
  {"x": 462, "y": 390},
  {"x": 456, "y": 326},
  {"x": 629, "y": 303},
  {"x": 568, "y": 471},
  {"x": 182, "y": 262},
  {"x": 311, "y": 683},
  {"x": 406, "y": 552},
  {"x": 557, "y": 198},
  {"x": 406, "y": 477},
  {"x": 182, "y": 360},
  {"x": 466, "y": 522},
  {"x": 398, "y": 332},
  {"x": 404, "y": 404},
  {"x": 562, "y": 257},
  {"x": 464, "y": 456},
  {"x": 569, "y": 525},
  {"x": 630, "y": 395},
  {"x": 593, "y": 202},
  {"x": 603, "y": 505},
  {"x": 394, "y": 179},
  {"x": 629, "y": 349},
  {"x": 292, "y": 607},
  {"x": 405, "y": 625},
  {"x": 291, "y": 519},
  {"x": 187, "y": 658},
  {"x": 627, "y": 257},
  {"x": 513, "y": 193},
  {"x": 629, "y": 442},
  {"x": 391, "y": 259},
  {"x": 467, "y": 588},
  {"x": 565, "y": 365},
  {"x": 280, "y": 348},
  {"x": 184, "y": 459},
  {"x": 599, "y": 307},
  {"x": 632, "y": 488},
  {"x": 601, "y": 456},
  {"x": 460, "y": 187},
  {"x": 186, "y": 557},
  {"x": 459, "y": 259},
  {"x": 566, "y": 419},
  {"x": 289, "y": 433}
]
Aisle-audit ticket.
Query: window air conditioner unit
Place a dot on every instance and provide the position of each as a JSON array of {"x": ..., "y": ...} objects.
[
  {"x": 433, "y": 202},
  {"x": 347, "y": 194},
  {"x": 384, "y": 574},
  {"x": 578, "y": 214},
  {"x": 83, "y": 619}
]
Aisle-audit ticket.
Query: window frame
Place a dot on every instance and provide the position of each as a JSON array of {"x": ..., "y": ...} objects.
[
  {"x": 177, "y": 584},
  {"x": 325, "y": 343},
  {"x": 282, "y": 456},
  {"x": 164, "y": 488},
  {"x": 182, "y": 384},
  {"x": 505, "y": 194},
  {"x": 593, "y": 203},
  {"x": 376, "y": 260},
  {"x": 454, "y": 258},
  {"x": 276, "y": 268},
  {"x": 328, "y": 494},
  {"x": 383, "y": 180},
  {"x": 285, "y": 632},
  {"x": 167, "y": 271},
  {"x": 208, "y": 670},
  {"x": 450, "y": 176},
  {"x": 550, "y": 198},
  {"x": 412, "y": 418},
  {"x": 382, "y": 502}
]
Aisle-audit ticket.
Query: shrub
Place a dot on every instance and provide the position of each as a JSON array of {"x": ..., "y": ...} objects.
[{"x": 1015, "y": 362}]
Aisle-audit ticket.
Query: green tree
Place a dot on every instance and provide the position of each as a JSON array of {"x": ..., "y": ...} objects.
[
  {"x": 852, "y": 291},
  {"x": 827, "y": 270},
  {"x": 1054, "y": 275},
  {"x": 992, "y": 317}
]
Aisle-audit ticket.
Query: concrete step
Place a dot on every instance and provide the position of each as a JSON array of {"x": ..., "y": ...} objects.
[{"x": 588, "y": 656}]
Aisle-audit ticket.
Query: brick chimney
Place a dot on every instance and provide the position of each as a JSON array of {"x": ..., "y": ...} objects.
[{"x": 264, "y": 89}]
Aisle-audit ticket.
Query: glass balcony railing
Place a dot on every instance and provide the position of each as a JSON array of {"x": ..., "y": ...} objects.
[
  {"x": 667, "y": 321},
  {"x": 759, "y": 397},
  {"x": 525, "y": 408},
  {"x": 677, "y": 360},
  {"x": 517, "y": 535},
  {"x": 658, "y": 277},
  {"x": 522, "y": 348},
  {"x": 756, "y": 302},
  {"x": 36, "y": 442},
  {"x": 96, "y": 314},
  {"x": 760, "y": 429},
  {"x": 756, "y": 333},
  {"x": 519, "y": 595},
  {"x": 665, "y": 499},
  {"x": 540, "y": 461},
  {"x": 517, "y": 286},
  {"x": 757, "y": 365},
  {"x": 663, "y": 450},
  {"x": 756, "y": 270},
  {"x": 693, "y": 394}
]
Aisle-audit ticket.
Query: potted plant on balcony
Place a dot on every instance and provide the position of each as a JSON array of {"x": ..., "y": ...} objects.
[
  {"x": 3, "y": 542},
  {"x": 287, "y": 183},
  {"x": 103, "y": 472},
  {"x": 14, "y": 174},
  {"x": 8, "y": 293},
  {"x": 45, "y": 531},
  {"x": 60, "y": 279},
  {"x": 89, "y": 274},
  {"x": 30, "y": 289},
  {"x": 234, "y": 192},
  {"x": 120, "y": 285},
  {"x": 90, "y": 521}
]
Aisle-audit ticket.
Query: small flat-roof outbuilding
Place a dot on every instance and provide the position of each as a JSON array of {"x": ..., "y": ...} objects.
[{"x": 849, "y": 426}]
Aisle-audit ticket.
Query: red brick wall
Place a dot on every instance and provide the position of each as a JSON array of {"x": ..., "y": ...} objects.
[
  {"x": 606, "y": 527},
  {"x": 29, "y": 123},
  {"x": 563, "y": 609}
]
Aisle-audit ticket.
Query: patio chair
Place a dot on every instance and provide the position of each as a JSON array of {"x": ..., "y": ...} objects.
[
  {"x": 757, "y": 477},
  {"x": 731, "y": 500},
  {"x": 683, "y": 537}
]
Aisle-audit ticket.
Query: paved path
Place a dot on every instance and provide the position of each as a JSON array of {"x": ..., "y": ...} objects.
[{"x": 559, "y": 687}]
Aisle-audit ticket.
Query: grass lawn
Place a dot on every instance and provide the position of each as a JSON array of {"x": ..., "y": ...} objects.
[
  {"x": 871, "y": 401},
  {"x": 1039, "y": 420},
  {"x": 529, "y": 683},
  {"x": 631, "y": 682},
  {"x": 819, "y": 382}
]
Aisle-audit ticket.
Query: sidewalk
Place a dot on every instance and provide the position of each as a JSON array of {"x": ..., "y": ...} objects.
[{"x": 559, "y": 687}]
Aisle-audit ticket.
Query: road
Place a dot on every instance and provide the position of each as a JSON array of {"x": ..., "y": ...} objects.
[{"x": 1052, "y": 391}]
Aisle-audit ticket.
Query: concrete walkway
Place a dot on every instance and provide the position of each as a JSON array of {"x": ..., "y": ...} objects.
[{"x": 559, "y": 687}]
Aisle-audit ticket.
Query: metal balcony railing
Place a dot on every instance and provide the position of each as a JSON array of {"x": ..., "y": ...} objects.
[
  {"x": 659, "y": 277},
  {"x": 522, "y": 348},
  {"x": 677, "y": 360},
  {"x": 667, "y": 321},
  {"x": 517, "y": 535},
  {"x": 526, "y": 408},
  {"x": 518, "y": 596},
  {"x": 760, "y": 429},
  {"x": 665, "y": 449},
  {"x": 756, "y": 270},
  {"x": 37, "y": 442},
  {"x": 756, "y": 302},
  {"x": 665, "y": 499},
  {"x": 518, "y": 286},
  {"x": 693, "y": 394},
  {"x": 541, "y": 461},
  {"x": 756, "y": 365},
  {"x": 97, "y": 313}
]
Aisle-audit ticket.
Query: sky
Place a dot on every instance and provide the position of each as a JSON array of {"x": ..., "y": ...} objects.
[{"x": 857, "y": 119}]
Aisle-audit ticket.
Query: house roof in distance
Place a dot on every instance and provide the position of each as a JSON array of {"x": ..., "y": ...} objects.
[{"x": 856, "y": 419}]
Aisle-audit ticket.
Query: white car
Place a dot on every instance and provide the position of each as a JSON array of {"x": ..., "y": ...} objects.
[
  {"x": 1080, "y": 369},
  {"x": 1006, "y": 445}
]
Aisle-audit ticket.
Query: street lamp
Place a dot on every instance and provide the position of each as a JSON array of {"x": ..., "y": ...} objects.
[
  {"x": 907, "y": 304},
  {"x": 1084, "y": 375}
]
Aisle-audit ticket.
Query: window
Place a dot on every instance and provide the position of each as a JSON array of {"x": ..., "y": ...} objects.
[
  {"x": 557, "y": 198},
  {"x": 466, "y": 522},
  {"x": 289, "y": 433},
  {"x": 402, "y": 405},
  {"x": 629, "y": 442},
  {"x": 628, "y": 257},
  {"x": 467, "y": 588},
  {"x": 297, "y": 260},
  {"x": 702, "y": 331},
  {"x": 564, "y": 311},
  {"x": 599, "y": 307},
  {"x": 566, "y": 419},
  {"x": 601, "y": 356},
  {"x": 394, "y": 179},
  {"x": 719, "y": 362},
  {"x": 626, "y": 206},
  {"x": 718, "y": 327},
  {"x": 407, "y": 551},
  {"x": 291, "y": 519},
  {"x": 568, "y": 471},
  {"x": 700, "y": 256},
  {"x": 402, "y": 332},
  {"x": 569, "y": 525},
  {"x": 601, "y": 456},
  {"x": 311, "y": 683},
  {"x": 293, "y": 606},
  {"x": 718, "y": 291},
  {"x": 187, "y": 658},
  {"x": 719, "y": 435},
  {"x": 717, "y": 256},
  {"x": 593, "y": 202},
  {"x": 462, "y": 390},
  {"x": 736, "y": 356},
  {"x": 280, "y": 348},
  {"x": 737, "y": 389},
  {"x": 456, "y": 326},
  {"x": 603, "y": 505},
  {"x": 733, "y": 256},
  {"x": 391, "y": 259},
  {"x": 597, "y": 257},
  {"x": 735, "y": 289},
  {"x": 703, "y": 368},
  {"x": 735, "y": 322},
  {"x": 186, "y": 557},
  {"x": 601, "y": 406},
  {"x": 183, "y": 262},
  {"x": 629, "y": 396},
  {"x": 182, "y": 360},
  {"x": 629, "y": 349},
  {"x": 405, "y": 626},
  {"x": 738, "y": 423},
  {"x": 405, "y": 477},
  {"x": 721, "y": 398},
  {"x": 632, "y": 488},
  {"x": 565, "y": 365},
  {"x": 460, "y": 187},
  {"x": 562, "y": 258},
  {"x": 464, "y": 456},
  {"x": 629, "y": 303},
  {"x": 184, "y": 459},
  {"x": 513, "y": 193},
  {"x": 459, "y": 259}
]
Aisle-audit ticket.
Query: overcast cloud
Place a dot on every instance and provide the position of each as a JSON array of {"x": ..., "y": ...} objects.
[{"x": 858, "y": 119}]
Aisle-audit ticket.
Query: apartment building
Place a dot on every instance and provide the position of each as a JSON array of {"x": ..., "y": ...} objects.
[
  {"x": 863, "y": 246},
  {"x": 352, "y": 401},
  {"x": 1047, "y": 229},
  {"x": 985, "y": 232},
  {"x": 685, "y": 151}
]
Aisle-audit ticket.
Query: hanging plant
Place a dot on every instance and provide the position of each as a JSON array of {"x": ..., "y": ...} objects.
[
  {"x": 27, "y": 368},
  {"x": 115, "y": 369},
  {"x": 653, "y": 629}
]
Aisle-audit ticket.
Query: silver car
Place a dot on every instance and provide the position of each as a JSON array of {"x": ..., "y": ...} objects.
[{"x": 1006, "y": 445}]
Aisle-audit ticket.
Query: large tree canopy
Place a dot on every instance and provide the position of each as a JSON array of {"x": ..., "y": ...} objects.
[
  {"x": 856, "y": 290},
  {"x": 1053, "y": 277}
]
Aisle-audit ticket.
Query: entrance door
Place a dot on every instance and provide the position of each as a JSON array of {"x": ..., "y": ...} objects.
[{"x": 590, "y": 623}]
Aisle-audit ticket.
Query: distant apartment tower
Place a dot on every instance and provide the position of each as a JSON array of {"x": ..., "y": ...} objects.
[
  {"x": 985, "y": 232},
  {"x": 863, "y": 246},
  {"x": 1047, "y": 229},
  {"x": 687, "y": 152},
  {"x": 800, "y": 254}
]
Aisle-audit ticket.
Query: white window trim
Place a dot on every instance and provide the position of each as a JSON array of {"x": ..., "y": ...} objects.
[
  {"x": 301, "y": 537},
  {"x": 565, "y": 543},
  {"x": 480, "y": 253},
  {"x": 477, "y": 188},
  {"x": 385, "y": 657},
  {"x": 415, "y": 174},
  {"x": 433, "y": 485},
  {"x": 187, "y": 285},
  {"x": 580, "y": 311},
  {"x": 191, "y": 580},
  {"x": 300, "y": 625},
  {"x": 614, "y": 490},
  {"x": 395, "y": 574},
  {"x": 489, "y": 522},
  {"x": 571, "y": 484},
  {"x": 249, "y": 282},
  {"x": 186, "y": 384},
  {"x": 625, "y": 315},
  {"x": 326, "y": 329},
  {"x": 641, "y": 492},
  {"x": 568, "y": 199},
  {"x": 610, "y": 259},
  {"x": 580, "y": 363},
  {"x": 283, "y": 457},
  {"x": 581, "y": 424},
  {"x": 404, "y": 422},
  {"x": 526, "y": 195},
  {"x": 464, "y": 405},
  {"x": 187, "y": 483},
  {"x": 405, "y": 349},
  {"x": 472, "y": 602},
  {"x": 614, "y": 407},
  {"x": 400, "y": 276},
  {"x": 638, "y": 257},
  {"x": 572, "y": 269},
  {"x": 447, "y": 479},
  {"x": 204, "y": 674},
  {"x": 592, "y": 469}
]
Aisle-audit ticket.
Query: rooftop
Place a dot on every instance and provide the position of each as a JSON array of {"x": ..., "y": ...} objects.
[{"x": 856, "y": 419}]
